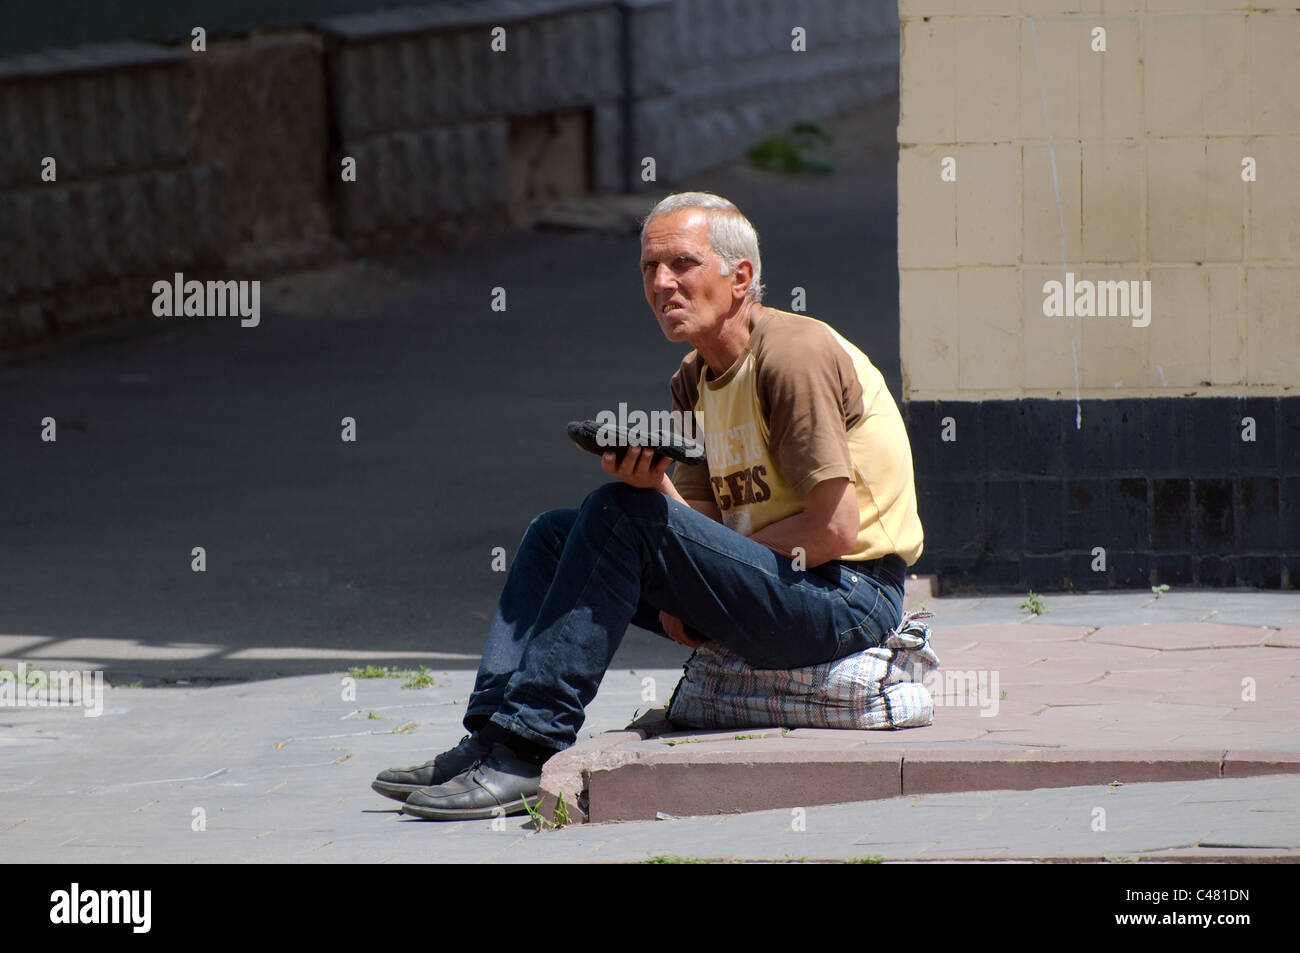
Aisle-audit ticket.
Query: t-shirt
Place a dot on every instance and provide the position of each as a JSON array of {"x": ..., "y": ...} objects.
[{"x": 800, "y": 405}]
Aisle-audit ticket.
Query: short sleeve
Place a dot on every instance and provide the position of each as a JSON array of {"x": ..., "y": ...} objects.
[
  {"x": 692, "y": 482},
  {"x": 806, "y": 382}
]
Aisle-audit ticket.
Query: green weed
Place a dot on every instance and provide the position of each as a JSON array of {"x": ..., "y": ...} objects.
[
  {"x": 419, "y": 678},
  {"x": 1033, "y": 603},
  {"x": 541, "y": 823},
  {"x": 792, "y": 152},
  {"x": 414, "y": 677}
]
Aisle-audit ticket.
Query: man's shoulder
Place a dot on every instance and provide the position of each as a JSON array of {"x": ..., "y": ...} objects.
[
  {"x": 786, "y": 339},
  {"x": 691, "y": 367},
  {"x": 685, "y": 381}
]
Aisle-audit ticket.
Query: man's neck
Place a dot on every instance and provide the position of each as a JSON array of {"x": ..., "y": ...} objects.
[{"x": 721, "y": 350}]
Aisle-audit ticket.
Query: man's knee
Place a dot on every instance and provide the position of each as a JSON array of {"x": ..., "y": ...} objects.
[{"x": 552, "y": 525}]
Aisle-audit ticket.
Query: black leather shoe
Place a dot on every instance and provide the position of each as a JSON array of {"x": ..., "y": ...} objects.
[
  {"x": 496, "y": 786},
  {"x": 398, "y": 783}
]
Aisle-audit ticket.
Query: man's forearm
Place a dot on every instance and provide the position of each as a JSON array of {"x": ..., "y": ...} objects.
[
  {"x": 825, "y": 529},
  {"x": 708, "y": 508},
  {"x": 803, "y": 531}
]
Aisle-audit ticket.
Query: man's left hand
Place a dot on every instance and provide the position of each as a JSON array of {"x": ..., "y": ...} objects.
[{"x": 638, "y": 467}]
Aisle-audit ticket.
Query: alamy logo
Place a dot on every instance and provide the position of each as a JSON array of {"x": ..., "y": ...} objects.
[
  {"x": 73, "y": 906},
  {"x": 643, "y": 429},
  {"x": 33, "y": 688},
  {"x": 955, "y": 689},
  {"x": 213, "y": 299},
  {"x": 1086, "y": 299}
]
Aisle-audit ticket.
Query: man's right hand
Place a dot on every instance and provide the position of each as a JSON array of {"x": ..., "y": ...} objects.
[
  {"x": 676, "y": 630},
  {"x": 638, "y": 468}
]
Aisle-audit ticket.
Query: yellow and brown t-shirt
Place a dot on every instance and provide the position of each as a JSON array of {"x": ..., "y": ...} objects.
[{"x": 799, "y": 406}]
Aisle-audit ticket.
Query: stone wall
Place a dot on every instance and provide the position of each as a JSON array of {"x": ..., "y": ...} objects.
[{"x": 230, "y": 161}]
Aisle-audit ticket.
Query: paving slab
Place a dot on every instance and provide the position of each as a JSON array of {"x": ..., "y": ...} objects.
[
  {"x": 1187, "y": 635},
  {"x": 1288, "y": 637},
  {"x": 1074, "y": 704}
]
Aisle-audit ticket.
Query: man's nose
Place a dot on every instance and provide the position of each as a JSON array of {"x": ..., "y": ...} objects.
[{"x": 663, "y": 278}]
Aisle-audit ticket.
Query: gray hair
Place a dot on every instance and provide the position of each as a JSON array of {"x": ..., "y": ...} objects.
[{"x": 731, "y": 236}]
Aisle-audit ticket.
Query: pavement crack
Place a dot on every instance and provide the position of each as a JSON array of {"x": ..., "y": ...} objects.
[
  {"x": 350, "y": 734},
  {"x": 204, "y": 777}
]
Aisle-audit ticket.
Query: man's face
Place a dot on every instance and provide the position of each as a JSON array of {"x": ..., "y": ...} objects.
[{"x": 681, "y": 277}]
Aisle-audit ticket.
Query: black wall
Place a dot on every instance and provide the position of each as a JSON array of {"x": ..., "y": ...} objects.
[{"x": 1167, "y": 486}]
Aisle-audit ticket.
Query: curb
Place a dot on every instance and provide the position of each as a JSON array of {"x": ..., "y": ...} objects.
[{"x": 648, "y": 771}]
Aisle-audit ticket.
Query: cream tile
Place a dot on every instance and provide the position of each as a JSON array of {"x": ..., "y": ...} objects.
[
  {"x": 1227, "y": 287},
  {"x": 1274, "y": 197},
  {"x": 1110, "y": 83},
  {"x": 990, "y": 328},
  {"x": 927, "y": 207},
  {"x": 1112, "y": 201},
  {"x": 1043, "y": 218},
  {"x": 988, "y": 205},
  {"x": 928, "y": 330},
  {"x": 1195, "y": 202},
  {"x": 988, "y": 87},
  {"x": 1195, "y": 75},
  {"x": 1179, "y": 334},
  {"x": 1273, "y": 334},
  {"x": 1113, "y": 353},
  {"x": 1275, "y": 73},
  {"x": 1049, "y": 82},
  {"x": 928, "y": 80},
  {"x": 1046, "y": 362}
]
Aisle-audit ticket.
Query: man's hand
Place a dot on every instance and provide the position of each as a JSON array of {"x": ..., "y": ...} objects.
[
  {"x": 676, "y": 631},
  {"x": 637, "y": 468}
]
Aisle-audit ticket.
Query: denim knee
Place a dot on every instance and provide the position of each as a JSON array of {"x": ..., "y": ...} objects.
[
  {"x": 619, "y": 498},
  {"x": 551, "y": 523}
]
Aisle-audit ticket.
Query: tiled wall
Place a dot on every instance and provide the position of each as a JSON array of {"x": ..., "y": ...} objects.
[{"x": 1126, "y": 165}]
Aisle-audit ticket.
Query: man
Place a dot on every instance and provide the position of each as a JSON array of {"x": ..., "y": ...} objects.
[{"x": 788, "y": 547}]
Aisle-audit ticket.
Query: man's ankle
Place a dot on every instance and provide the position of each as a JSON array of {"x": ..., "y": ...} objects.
[{"x": 523, "y": 749}]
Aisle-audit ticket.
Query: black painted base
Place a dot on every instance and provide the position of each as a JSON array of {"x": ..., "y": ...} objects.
[{"x": 1185, "y": 491}]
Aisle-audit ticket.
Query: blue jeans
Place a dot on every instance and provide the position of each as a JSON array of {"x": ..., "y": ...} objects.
[{"x": 581, "y": 576}]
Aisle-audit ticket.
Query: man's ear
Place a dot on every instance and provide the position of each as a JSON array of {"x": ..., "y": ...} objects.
[{"x": 742, "y": 278}]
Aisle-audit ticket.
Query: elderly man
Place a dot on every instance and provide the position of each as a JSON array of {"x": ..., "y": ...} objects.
[{"x": 788, "y": 547}]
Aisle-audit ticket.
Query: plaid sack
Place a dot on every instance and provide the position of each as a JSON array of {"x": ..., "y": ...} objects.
[{"x": 877, "y": 688}]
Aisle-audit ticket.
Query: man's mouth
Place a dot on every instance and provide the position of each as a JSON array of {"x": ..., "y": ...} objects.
[{"x": 670, "y": 306}]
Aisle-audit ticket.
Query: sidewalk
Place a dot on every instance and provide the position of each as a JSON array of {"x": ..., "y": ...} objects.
[
  {"x": 1122, "y": 687},
  {"x": 1098, "y": 685}
]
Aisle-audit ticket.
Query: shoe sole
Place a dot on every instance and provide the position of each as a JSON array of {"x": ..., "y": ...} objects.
[
  {"x": 472, "y": 813},
  {"x": 398, "y": 792}
]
